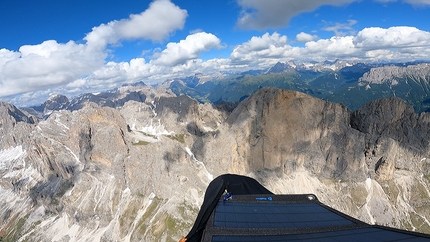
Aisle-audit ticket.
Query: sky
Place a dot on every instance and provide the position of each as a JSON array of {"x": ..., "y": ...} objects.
[{"x": 72, "y": 47}]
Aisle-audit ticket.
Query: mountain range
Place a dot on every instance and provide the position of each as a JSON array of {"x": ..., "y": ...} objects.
[
  {"x": 350, "y": 83},
  {"x": 133, "y": 163}
]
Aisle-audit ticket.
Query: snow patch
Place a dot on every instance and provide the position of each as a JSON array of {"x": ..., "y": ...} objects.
[
  {"x": 208, "y": 175},
  {"x": 7, "y": 157},
  {"x": 58, "y": 121},
  {"x": 208, "y": 129},
  {"x": 368, "y": 184},
  {"x": 369, "y": 188},
  {"x": 48, "y": 112},
  {"x": 73, "y": 154},
  {"x": 153, "y": 108},
  {"x": 156, "y": 129}
]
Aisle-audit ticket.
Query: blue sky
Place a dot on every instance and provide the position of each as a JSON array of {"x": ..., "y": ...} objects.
[{"x": 71, "y": 47}]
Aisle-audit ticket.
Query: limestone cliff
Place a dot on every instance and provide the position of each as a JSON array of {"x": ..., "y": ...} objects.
[
  {"x": 391, "y": 74},
  {"x": 138, "y": 172}
]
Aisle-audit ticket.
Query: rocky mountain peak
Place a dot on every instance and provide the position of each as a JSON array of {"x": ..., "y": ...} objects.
[
  {"x": 303, "y": 133},
  {"x": 55, "y": 102},
  {"x": 15, "y": 125},
  {"x": 14, "y": 114},
  {"x": 281, "y": 67},
  {"x": 393, "y": 118},
  {"x": 392, "y": 73}
]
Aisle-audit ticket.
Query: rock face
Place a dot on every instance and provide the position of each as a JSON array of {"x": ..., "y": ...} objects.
[
  {"x": 392, "y": 118},
  {"x": 395, "y": 129},
  {"x": 391, "y": 74},
  {"x": 289, "y": 130},
  {"x": 138, "y": 172},
  {"x": 15, "y": 125}
]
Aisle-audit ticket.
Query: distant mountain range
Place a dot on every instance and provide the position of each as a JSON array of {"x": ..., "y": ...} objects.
[
  {"x": 112, "y": 98},
  {"x": 350, "y": 83}
]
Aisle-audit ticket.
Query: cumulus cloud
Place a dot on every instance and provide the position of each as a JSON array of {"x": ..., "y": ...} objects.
[
  {"x": 305, "y": 37},
  {"x": 156, "y": 23},
  {"x": 334, "y": 48},
  {"x": 7, "y": 55},
  {"x": 73, "y": 68},
  {"x": 394, "y": 37},
  {"x": 189, "y": 48},
  {"x": 177, "y": 59},
  {"x": 47, "y": 64},
  {"x": 257, "y": 14},
  {"x": 51, "y": 64},
  {"x": 260, "y": 49},
  {"x": 370, "y": 44}
]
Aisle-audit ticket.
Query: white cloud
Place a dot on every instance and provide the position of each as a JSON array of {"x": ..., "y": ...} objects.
[
  {"x": 305, "y": 37},
  {"x": 342, "y": 29},
  {"x": 394, "y": 37},
  {"x": 259, "y": 50},
  {"x": 334, "y": 48},
  {"x": 113, "y": 73},
  {"x": 370, "y": 44},
  {"x": 47, "y": 64},
  {"x": 257, "y": 14},
  {"x": 51, "y": 64},
  {"x": 189, "y": 48},
  {"x": 7, "y": 55},
  {"x": 156, "y": 23},
  {"x": 177, "y": 59}
]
